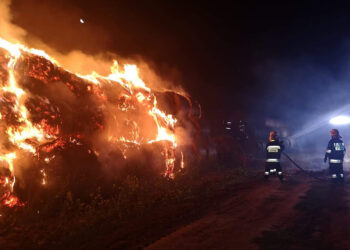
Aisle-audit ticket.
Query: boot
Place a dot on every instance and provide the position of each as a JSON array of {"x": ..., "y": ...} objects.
[{"x": 266, "y": 176}]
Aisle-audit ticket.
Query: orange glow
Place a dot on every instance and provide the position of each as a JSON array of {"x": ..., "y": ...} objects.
[{"x": 28, "y": 136}]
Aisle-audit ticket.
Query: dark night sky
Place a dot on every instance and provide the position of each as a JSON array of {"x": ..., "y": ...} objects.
[{"x": 238, "y": 55}]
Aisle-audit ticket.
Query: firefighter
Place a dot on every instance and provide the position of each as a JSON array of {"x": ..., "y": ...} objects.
[
  {"x": 335, "y": 153},
  {"x": 274, "y": 149}
]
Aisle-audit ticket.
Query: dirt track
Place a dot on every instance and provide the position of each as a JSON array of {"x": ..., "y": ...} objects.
[{"x": 299, "y": 214}]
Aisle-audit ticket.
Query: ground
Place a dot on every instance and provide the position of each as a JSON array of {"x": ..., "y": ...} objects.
[
  {"x": 224, "y": 209},
  {"x": 302, "y": 213}
]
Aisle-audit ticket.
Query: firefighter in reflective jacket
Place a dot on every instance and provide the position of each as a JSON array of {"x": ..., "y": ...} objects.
[
  {"x": 274, "y": 149},
  {"x": 335, "y": 153}
]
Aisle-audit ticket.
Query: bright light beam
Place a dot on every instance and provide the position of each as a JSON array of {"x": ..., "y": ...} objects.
[{"x": 340, "y": 120}]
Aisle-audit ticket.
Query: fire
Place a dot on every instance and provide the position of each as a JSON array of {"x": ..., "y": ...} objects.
[
  {"x": 8, "y": 158},
  {"x": 30, "y": 136},
  {"x": 10, "y": 200}
]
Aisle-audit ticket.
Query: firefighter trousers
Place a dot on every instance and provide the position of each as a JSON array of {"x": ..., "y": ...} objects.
[
  {"x": 273, "y": 168},
  {"x": 336, "y": 170}
]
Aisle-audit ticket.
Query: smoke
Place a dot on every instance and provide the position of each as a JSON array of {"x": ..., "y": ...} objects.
[
  {"x": 75, "y": 61},
  {"x": 84, "y": 116},
  {"x": 64, "y": 34},
  {"x": 305, "y": 95},
  {"x": 9, "y": 31}
]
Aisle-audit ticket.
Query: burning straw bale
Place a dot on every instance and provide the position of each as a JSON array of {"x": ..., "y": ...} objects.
[{"x": 63, "y": 131}]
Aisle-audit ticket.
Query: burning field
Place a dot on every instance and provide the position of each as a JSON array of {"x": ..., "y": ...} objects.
[{"x": 60, "y": 129}]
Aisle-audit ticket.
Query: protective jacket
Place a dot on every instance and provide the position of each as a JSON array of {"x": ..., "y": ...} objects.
[
  {"x": 335, "y": 151},
  {"x": 274, "y": 149}
]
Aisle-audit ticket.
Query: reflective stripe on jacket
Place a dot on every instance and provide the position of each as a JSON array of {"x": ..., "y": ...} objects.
[{"x": 274, "y": 150}]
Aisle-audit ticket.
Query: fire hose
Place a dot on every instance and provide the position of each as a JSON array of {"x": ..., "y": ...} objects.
[{"x": 300, "y": 168}]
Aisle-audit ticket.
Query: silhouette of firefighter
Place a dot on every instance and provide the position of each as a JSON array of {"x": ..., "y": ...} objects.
[
  {"x": 335, "y": 153},
  {"x": 274, "y": 149}
]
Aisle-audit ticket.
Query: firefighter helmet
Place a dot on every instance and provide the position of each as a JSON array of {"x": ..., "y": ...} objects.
[
  {"x": 335, "y": 133},
  {"x": 273, "y": 135}
]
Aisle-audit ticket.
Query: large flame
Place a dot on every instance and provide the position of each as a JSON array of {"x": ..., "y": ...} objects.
[{"x": 27, "y": 136}]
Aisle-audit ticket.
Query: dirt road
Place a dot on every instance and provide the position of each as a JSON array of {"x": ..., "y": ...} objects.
[{"x": 299, "y": 214}]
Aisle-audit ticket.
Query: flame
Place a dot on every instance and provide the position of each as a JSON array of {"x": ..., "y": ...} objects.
[
  {"x": 10, "y": 200},
  {"x": 28, "y": 136},
  {"x": 43, "y": 180},
  {"x": 182, "y": 160},
  {"x": 20, "y": 135},
  {"x": 8, "y": 158}
]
